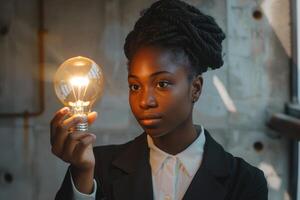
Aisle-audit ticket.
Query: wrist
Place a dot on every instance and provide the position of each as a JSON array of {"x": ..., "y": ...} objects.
[
  {"x": 83, "y": 179},
  {"x": 82, "y": 170}
]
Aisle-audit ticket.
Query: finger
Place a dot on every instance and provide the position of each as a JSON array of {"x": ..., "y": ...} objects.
[
  {"x": 58, "y": 117},
  {"x": 72, "y": 121},
  {"x": 71, "y": 141},
  {"x": 92, "y": 117},
  {"x": 58, "y": 140},
  {"x": 62, "y": 133},
  {"x": 84, "y": 143},
  {"x": 62, "y": 127}
]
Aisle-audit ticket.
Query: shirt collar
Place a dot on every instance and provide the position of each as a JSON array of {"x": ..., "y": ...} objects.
[{"x": 190, "y": 158}]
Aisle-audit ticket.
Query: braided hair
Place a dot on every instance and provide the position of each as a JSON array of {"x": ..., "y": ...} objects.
[{"x": 176, "y": 25}]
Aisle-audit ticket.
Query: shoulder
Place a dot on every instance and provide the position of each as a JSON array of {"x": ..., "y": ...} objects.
[
  {"x": 215, "y": 153},
  {"x": 247, "y": 180},
  {"x": 244, "y": 181},
  {"x": 249, "y": 172}
]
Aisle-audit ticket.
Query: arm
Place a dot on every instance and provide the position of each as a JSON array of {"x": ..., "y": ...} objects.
[
  {"x": 75, "y": 148},
  {"x": 81, "y": 196},
  {"x": 257, "y": 188},
  {"x": 68, "y": 190}
]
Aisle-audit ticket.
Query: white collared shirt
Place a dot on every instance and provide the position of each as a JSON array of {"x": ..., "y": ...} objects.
[{"x": 171, "y": 174}]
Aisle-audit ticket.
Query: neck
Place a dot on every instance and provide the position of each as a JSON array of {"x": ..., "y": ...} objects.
[{"x": 178, "y": 139}]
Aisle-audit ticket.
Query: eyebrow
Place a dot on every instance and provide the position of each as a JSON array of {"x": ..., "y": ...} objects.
[{"x": 154, "y": 74}]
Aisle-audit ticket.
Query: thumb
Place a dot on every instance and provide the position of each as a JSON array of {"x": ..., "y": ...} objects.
[{"x": 92, "y": 117}]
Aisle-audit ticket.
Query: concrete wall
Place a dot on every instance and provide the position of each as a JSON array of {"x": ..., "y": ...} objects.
[{"x": 233, "y": 107}]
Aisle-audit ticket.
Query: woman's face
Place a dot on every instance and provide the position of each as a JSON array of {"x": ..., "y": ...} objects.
[{"x": 159, "y": 91}]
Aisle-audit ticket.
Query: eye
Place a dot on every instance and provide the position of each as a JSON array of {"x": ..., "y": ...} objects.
[
  {"x": 133, "y": 87},
  {"x": 163, "y": 84}
]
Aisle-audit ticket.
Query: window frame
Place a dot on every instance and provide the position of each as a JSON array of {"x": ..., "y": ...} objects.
[{"x": 293, "y": 109}]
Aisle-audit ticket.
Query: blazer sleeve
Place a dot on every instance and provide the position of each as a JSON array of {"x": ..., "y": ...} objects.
[
  {"x": 65, "y": 191},
  {"x": 260, "y": 187},
  {"x": 256, "y": 188}
]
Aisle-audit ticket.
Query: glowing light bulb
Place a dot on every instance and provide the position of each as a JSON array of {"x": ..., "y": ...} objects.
[{"x": 78, "y": 83}]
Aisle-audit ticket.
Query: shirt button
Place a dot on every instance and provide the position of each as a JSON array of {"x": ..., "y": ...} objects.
[{"x": 167, "y": 197}]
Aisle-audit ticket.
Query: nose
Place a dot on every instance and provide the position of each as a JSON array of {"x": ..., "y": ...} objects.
[{"x": 148, "y": 99}]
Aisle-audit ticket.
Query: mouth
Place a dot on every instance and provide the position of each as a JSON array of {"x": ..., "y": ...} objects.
[{"x": 150, "y": 120}]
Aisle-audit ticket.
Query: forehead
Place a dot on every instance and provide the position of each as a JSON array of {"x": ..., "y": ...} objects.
[{"x": 150, "y": 60}]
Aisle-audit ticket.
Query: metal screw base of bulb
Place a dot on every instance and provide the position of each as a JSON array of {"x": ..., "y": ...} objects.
[{"x": 82, "y": 127}]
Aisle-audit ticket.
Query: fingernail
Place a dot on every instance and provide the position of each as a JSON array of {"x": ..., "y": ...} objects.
[{"x": 94, "y": 112}]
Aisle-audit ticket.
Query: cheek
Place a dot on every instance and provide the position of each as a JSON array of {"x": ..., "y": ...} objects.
[
  {"x": 177, "y": 101},
  {"x": 134, "y": 103}
]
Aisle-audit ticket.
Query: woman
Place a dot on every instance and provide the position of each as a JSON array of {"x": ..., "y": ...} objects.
[{"x": 170, "y": 47}]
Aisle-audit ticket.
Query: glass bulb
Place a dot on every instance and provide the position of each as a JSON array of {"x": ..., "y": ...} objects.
[{"x": 78, "y": 84}]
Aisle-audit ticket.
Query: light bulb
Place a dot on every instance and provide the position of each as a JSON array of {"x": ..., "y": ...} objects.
[{"x": 78, "y": 83}]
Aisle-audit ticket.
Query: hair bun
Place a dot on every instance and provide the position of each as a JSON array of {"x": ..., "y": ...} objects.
[{"x": 178, "y": 24}]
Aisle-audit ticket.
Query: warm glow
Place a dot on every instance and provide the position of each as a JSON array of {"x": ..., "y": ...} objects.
[
  {"x": 79, "y": 104},
  {"x": 79, "y": 81},
  {"x": 79, "y": 63}
]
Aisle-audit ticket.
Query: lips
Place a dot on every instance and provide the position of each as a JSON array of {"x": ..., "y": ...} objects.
[
  {"x": 152, "y": 116},
  {"x": 151, "y": 120}
]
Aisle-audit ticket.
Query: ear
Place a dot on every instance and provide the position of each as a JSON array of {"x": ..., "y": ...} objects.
[{"x": 197, "y": 84}]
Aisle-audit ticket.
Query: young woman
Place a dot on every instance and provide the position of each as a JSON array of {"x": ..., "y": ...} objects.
[{"x": 171, "y": 45}]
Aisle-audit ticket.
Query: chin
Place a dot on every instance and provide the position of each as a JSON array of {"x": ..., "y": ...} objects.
[{"x": 154, "y": 132}]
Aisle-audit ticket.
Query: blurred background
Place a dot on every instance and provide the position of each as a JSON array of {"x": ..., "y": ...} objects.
[{"x": 250, "y": 105}]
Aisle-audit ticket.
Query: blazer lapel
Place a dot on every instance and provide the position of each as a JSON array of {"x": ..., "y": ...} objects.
[
  {"x": 209, "y": 182},
  {"x": 136, "y": 183}
]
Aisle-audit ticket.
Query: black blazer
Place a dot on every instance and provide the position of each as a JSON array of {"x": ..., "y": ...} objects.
[{"x": 123, "y": 172}]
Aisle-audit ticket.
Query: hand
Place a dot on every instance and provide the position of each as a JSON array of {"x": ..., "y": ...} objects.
[{"x": 75, "y": 148}]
